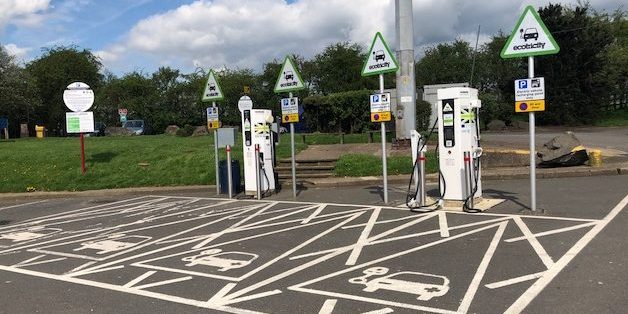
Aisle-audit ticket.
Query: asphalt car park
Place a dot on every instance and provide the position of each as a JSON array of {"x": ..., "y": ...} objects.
[{"x": 184, "y": 252}]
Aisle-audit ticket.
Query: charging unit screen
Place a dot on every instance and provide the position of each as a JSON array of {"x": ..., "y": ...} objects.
[
  {"x": 448, "y": 123},
  {"x": 247, "y": 127}
]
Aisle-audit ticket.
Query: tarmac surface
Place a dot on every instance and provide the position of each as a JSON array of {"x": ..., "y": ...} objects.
[{"x": 333, "y": 250}]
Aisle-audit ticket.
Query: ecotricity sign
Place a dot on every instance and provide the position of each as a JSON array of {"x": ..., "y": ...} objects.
[{"x": 530, "y": 37}]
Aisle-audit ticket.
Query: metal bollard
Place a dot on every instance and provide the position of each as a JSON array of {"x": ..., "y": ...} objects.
[
  {"x": 229, "y": 174},
  {"x": 257, "y": 178},
  {"x": 422, "y": 193},
  {"x": 468, "y": 174}
]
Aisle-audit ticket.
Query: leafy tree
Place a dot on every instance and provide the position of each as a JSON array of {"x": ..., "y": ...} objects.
[
  {"x": 444, "y": 64},
  {"x": 18, "y": 93},
  {"x": 54, "y": 71},
  {"x": 338, "y": 68}
]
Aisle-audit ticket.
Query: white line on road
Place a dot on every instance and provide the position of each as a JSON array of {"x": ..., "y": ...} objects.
[
  {"x": 534, "y": 242},
  {"x": 550, "y": 232},
  {"x": 362, "y": 240},
  {"x": 328, "y": 306},
  {"x": 540, "y": 284},
  {"x": 139, "y": 279},
  {"x": 19, "y": 205},
  {"x": 442, "y": 223},
  {"x": 513, "y": 281},
  {"x": 162, "y": 283}
]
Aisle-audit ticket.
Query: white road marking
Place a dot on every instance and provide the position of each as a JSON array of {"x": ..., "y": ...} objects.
[
  {"x": 81, "y": 267},
  {"x": 22, "y": 264},
  {"x": 513, "y": 281},
  {"x": 92, "y": 271},
  {"x": 139, "y": 279},
  {"x": 520, "y": 304},
  {"x": 237, "y": 224},
  {"x": 231, "y": 298},
  {"x": 145, "y": 293},
  {"x": 555, "y": 231},
  {"x": 534, "y": 242},
  {"x": 385, "y": 310},
  {"x": 328, "y": 306},
  {"x": 362, "y": 240},
  {"x": 162, "y": 283},
  {"x": 442, "y": 223},
  {"x": 300, "y": 286},
  {"x": 30, "y": 259},
  {"x": 20, "y": 205},
  {"x": 316, "y": 212},
  {"x": 387, "y": 221},
  {"x": 479, "y": 273}
]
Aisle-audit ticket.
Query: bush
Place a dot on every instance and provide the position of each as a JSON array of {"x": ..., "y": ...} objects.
[
  {"x": 347, "y": 112},
  {"x": 187, "y": 130},
  {"x": 423, "y": 113},
  {"x": 494, "y": 108}
]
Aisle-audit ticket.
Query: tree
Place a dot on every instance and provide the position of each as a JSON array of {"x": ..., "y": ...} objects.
[
  {"x": 54, "y": 71},
  {"x": 18, "y": 93},
  {"x": 446, "y": 63},
  {"x": 338, "y": 69}
]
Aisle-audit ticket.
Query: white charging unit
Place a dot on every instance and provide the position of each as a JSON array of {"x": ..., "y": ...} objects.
[
  {"x": 256, "y": 130},
  {"x": 458, "y": 132}
]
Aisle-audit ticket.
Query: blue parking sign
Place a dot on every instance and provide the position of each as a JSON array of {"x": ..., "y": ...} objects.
[{"x": 523, "y": 84}]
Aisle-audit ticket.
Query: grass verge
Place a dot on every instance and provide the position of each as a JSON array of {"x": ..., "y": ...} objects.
[
  {"x": 54, "y": 164},
  {"x": 614, "y": 118},
  {"x": 359, "y": 165}
]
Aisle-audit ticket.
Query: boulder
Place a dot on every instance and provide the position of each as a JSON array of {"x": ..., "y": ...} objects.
[
  {"x": 117, "y": 131},
  {"x": 171, "y": 130},
  {"x": 562, "y": 151},
  {"x": 496, "y": 125},
  {"x": 200, "y": 130},
  {"x": 520, "y": 125}
]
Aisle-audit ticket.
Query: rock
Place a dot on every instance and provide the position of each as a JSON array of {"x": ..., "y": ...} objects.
[
  {"x": 496, "y": 125},
  {"x": 200, "y": 130},
  {"x": 520, "y": 125},
  {"x": 117, "y": 131},
  {"x": 171, "y": 130}
]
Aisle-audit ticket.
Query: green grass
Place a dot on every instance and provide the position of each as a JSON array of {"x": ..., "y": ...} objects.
[
  {"x": 614, "y": 118},
  {"x": 357, "y": 165},
  {"x": 54, "y": 164},
  {"x": 331, "y": 138}
]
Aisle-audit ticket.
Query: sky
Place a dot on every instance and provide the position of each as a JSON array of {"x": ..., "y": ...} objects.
[{"x": 143, "y": 35}]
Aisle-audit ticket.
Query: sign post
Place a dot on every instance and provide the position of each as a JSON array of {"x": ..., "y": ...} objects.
[
  {"x": 78, "y": 97},
  {"x": 378, "y": 61},
  {"x": 530, "y": 38},
  {"x": 212, "y": 93},
  {"x": 289, "y": 80}
]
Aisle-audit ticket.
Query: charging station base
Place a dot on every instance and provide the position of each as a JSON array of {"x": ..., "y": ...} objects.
[{"x": 483, "y": 204}]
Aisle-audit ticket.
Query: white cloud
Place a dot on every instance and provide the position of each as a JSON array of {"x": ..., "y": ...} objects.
[
  {"x": 246, "y": 33},
  {"x": 18, "y": 52},
  {"x": 22, "y": 12}
]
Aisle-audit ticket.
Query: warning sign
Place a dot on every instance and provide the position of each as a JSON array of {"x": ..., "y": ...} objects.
[
  {"x": 380, "y": 116},
  {"x": 530, "y": 105}
]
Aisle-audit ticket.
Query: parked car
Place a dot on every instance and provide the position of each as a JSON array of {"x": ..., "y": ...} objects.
[
  {"x": 99, "y": 129},
  {"x": 135, "y": 126}
]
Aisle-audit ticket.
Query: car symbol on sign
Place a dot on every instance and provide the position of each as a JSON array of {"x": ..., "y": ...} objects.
[{"x": 379, "y": 55}]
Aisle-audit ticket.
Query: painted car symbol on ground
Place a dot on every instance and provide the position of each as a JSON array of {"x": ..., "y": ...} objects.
[
  {"x": 223, "y": 260},
  {"x": 425, "y": 286},
  {"x": 113, "y": 243},
  {"x": 26, "y": 235}
]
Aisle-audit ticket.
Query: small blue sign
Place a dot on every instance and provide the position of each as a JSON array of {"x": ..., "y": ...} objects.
[
  {"x": 523, "y": 84},
  {"x": 4, "y": 123},
  {"x": 375, "y": 98}
]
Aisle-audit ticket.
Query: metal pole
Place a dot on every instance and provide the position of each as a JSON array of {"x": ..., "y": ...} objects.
[
  {"x": 229, "y": 174},
  {"x": 383, "y": 128},
  {"x": 532, "y": 145},
  {"x": 258, "y": 188},
  {"x": 216, "y": 156},
  {"x": 422, "y": 193},
  {"x": 294, "y": 167},
  {"x": 82, "y": 154},
  {"x": 405, "y": 120},
  {"x": 467, "y": 175}
]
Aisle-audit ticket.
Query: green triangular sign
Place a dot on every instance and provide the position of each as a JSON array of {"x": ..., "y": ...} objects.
[
  {"x": 379, "y": 59},
  {"x": 530, "y": 37},
  {"x": 212, "y": 90},
  {"x": 289, "y": 78}
]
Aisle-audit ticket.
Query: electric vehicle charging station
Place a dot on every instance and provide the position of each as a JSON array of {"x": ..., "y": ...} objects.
[
  {"x": 258, "y": 149},
  {"x": 458, "y": 130}
]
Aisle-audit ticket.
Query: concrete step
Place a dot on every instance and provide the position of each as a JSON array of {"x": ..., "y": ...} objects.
[
  {"x": 305, "y": 175},
  {"x": 305, "y": 168}
]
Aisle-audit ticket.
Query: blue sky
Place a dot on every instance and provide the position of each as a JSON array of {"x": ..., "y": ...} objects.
[{"x": 142, "y": 35}]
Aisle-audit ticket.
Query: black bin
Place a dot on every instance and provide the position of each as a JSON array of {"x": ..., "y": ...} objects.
[{"x": 235, "y": 176}]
